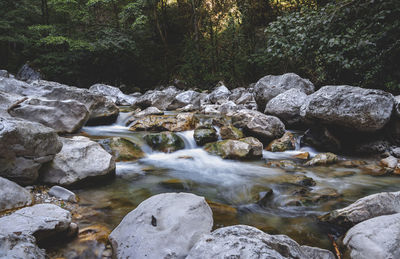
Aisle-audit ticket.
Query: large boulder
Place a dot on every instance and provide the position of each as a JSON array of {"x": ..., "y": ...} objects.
[
  {"x": 242, "y": 241},
  {"x": 374, "y": 238},
  {"x": 81, "y": 161},
  {"x": 286, "y": 106},
  {"x": 16, "y": 246},
  {"x": 397, "y": 105},
  {"x": 349, "y": 107},
  {"x": 157, "y": 98},
  {"x": 24, "y": 147},
  {"x": 372, "y": 206},
  {"x": 163, "y": 226},
  {"x": 165, "y": 142},
  {"x": 258, "y": 125},
  {"x": 64, "y": 116},
  {"x": 112, "y": 92},
  {"x": 12, "y": 195},
  {"x": 219, "y": 95},
  {"x": 185, "y": 98},
  {"x": 270, "y": 86},
  {"x": 246, "y": 148},
  {"x": 175, "y": 123}
]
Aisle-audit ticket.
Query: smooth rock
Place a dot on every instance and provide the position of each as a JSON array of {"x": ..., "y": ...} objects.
[
  {"x": 271, "y": 86},
  {"x": 62, "y": 193},
  {"x": 163, "y": 226},
  {"x": 12, "y": 195},
  {"x": 114, "y": 93},
  {"x": 80, "y": 161}
]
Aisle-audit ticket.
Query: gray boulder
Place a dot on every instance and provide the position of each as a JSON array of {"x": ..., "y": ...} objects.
[
  {"x": 397, "y": 105},
  {"x": 349, "y": 107},
  {"x": 24, "y": 147},
  {"x": 286, "y": 106},
  {"x": 372, "y": 206},
  {"x": 270, "y": 86},
  {"x": 64, "y": 116},
  {"x": 4, "y": 73},
  {"x": 8, "y": 100},
  {"x": 62, "y": 193},
  {"x": 219, "y": 95},
  {"x": 245, "y": 148},
  {"x": 160, "y": 99},
  {"x": 258, "y": 125},
  {"x": 374, "y": 238},
  {"x": 80, "y": 161},
  {"x": 113, "y": 93},
  {"x": 17, "y": 246},
  {"x": 12, "y": 195},
  {"x": 27, "y": 73},
  {"x": 185, "y": 98},
  {"x": 248, "y": 242},
  {"x": 163, "y": 226}
]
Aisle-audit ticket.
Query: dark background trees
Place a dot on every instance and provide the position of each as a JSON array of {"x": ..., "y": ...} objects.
[{"x": 143, "y": 43}]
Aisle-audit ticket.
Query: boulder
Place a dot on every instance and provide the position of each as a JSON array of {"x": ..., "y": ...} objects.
[
  {"x": 149, "y": 111},
  {"x": 371, "y": 146},
  {"x": 12, "y": 195},
  {"x": 62, "y": 193},
  {"x": 205, "y": 134},
  {"x": 322, "y": 159},
  {"x": 397, "y": 105},
  {"x": 286, "y": 106},
  {"x": 374, "y": 238},
  {"x": 165, "y": 142},
  {"x": 64, "y": 116},
  {"x": 258, "y": 125},
  {"x": 112, "y": 92},
  {"x": 322, "y": 139},
  {"x": 24, "y": 147},
  {"x": 122, "y": 149},
  {"x": 160, "y": 99},
  {"x": 80, "y": 161},
  {"x": 175, "y": 123},
  {"x": 242, "y": 241},
  {"x": 270, "y": 86},
  {"x": 27, "y": 73},
  {"x": 230, "y": 132},
  {"x": 246, "y": 148},
  {"x": 219, "y": 95},
  {"x": 349, "y": 107},
  {"x": 286, "y": 142},
  {"x": 371, "y": 206},
  {"x": 185, "y": 98},
  {"x": 163, "y": 226},
  {"x": 4, "y": 73},
  {"x": 17, "y": 246},
  {"x": 8, "y": 100}
]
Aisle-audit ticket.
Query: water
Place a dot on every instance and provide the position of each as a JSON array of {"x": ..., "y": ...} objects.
[{"x": 237, "y": 184}]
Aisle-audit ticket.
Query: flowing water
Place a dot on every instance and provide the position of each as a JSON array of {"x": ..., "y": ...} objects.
[{"x": 233, "y": 183}]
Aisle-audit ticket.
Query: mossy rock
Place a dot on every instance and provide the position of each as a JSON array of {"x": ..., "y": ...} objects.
[
  {"x": 165, "y": 142},
  {"x": 205, "y": 134},
  {"x": 231, "y": 132},
  {"x": 243, "y": 149},
  {"x": 123, "y": 149},
  {"x": 286, "y": 142}
]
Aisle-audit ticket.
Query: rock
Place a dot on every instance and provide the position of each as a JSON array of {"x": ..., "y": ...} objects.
[
  {"x": 322, "y": 139},
  {"x": 7, "y": 101},
  {"x": 374, "y": 238},
  {"x": 41, "y": 221},
  {"x": 205, "y": 134},
  {"x": 62, "y": 193},
  {"x": 97, "y": 233},
  {"x": 395, "y": 152},
  {"x": 165, "y": 142},
  {"x": 176, "y": 184},
  {"x": 353, "y": 108},
  {"x": 302, "y": 156},
  {"x": 118, "y": 97},
  {"x": 286, "y": 142},
  {"x": 228, "y": 108},
  {"x": 4, "y": 73},
  {"x": 159, "y": 99},
  {"x": 122, "y": 149},
  {"x": 64, "y": 116},
  {"x": 12, "y": 195},
  {"x": 246, "y": 148},
  {"x": 288, "y": 165},
  {"x": 24, "y": 147},
  {"x": 185, "y": 98},
  {"x": 163, "y": 226},
  {"x": 389, "y": 162},
  {"x": 222, "y": 212},
  {"x": 27, "y": 73},
  {"x": 372, "y": 147},
  {"x": 271, "y": 86},
  {"x": 242, "y": 241},
  {"x": 231, "y": 132},
  {"x": 371, "y": 206},
  {"x": 397, "y": 105},
  {"x": 17, "y": 246},
  {"x": 80, "y": 161},
  {"x": 322, "y": 159},
  {"x": 219, "y": 95},
  {"x": 258, "y": 125},
  {"x": 149, "y": 111},
  {"x": 286, "y": 106},
  {"x": 180, "y": 122}
]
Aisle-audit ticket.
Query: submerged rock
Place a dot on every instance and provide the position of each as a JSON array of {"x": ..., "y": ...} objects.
[
  {"x": 12, "y": 195},
  {"x": 322, "y": 159},
  {"x": 231, "y": 132},
  {"x": 286, "y": 142},
  {"x": 248, "y": 242},
  {"x": 246, "y": 148},
  {"x": 205, "y": 134},
  {"x": 123, "y": 149},
  {"x": 163, "y": 226},
  {"x": 80, "y": 161},
  {"x": 165, "y": 142},
  {"x": 180, "y": 122}
]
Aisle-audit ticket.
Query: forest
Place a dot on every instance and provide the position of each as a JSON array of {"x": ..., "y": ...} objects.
[{"x": 143, "y": 43}]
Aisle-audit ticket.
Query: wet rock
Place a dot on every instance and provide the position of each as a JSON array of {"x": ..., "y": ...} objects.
[
  {"x": 375, "y": 170},
  {"x": 81, "y": 161},
  {"x": 354, "y": 108},
  {"x": 12, "y": 195},
  {"x": 294, "y": 179},
  {"x": 24, "y": 147},
  {"x": 230, "y": 132},
  {"x": 286, "y": 106},
  {"x": 389, "y": 162},
  {"x": 123, "y": 149},
  {"x": 205, "y": 134},
  {"x": 322, "y": 139},
  {"x": 286, "y": 142},
  {"x": 271, "y": 86},
  {"x": 97, "y": 233},
  {"x": 113, "y": 93},
  {"x": 185, "y": 98},
  {"x": 242, "y": 241},
  {"x": 64, "y": 116},
  {"x": 27, "y": 73},
  {"x": 265, "y": 197},
  {"x": 323, "y": 159},
  {"x": 159, "y": 99},
  {"x": 163, "y": 226},
  {"x": 219, "y": 95},
  {"x": 374, "y": 238},
  {"x": 20, "y": 246},
  {"x": 180, "y": 122},
  {"x": 165, "y": 142},
  {"x": 371, "y": 206},
  {"x": 246, "y": 148},
  {"x": 352, "y": 163},
  {"x": 63, "y": 194},
  {"x": 177, "y": 184},
  {"x": 258, "y": 125},
  {"x": 284, "y": 164},
  {"x": 302, "y": 156},
  {"x": 222, "y": 212}
]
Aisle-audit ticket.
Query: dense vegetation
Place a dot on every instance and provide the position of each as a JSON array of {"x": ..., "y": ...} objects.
[{"x": 142, "y": 43}]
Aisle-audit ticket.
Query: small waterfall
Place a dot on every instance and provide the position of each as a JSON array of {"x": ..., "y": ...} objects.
[
  {"x": 123, "y": 118},
  {"x": 188, "y": 139}
]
